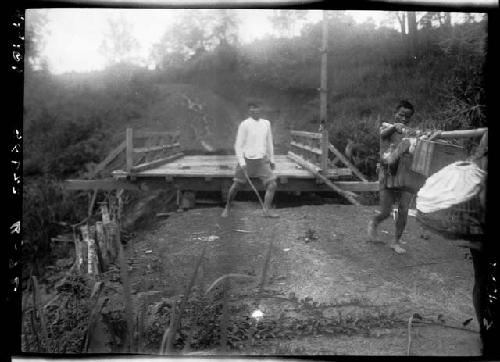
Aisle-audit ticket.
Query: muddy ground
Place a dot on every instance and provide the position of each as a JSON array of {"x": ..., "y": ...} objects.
[{"x": 322, "y": 288}]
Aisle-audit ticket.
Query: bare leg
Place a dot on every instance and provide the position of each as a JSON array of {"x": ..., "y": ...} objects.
[
  {"x": 402, "y": 217},
  {"x": 386, "y": 197},
  {"x": 403, "y": 207},
  {"x": 233, "y": 190},
  {"x": 479, "y": 294},
  {"x": 268, "y": 198}
]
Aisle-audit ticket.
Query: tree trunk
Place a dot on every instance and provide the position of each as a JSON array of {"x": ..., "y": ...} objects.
[
  {"x": 412, "y": 32},
  {"x": 447, "y": 20},
  {"x": 402, "y": 23}
]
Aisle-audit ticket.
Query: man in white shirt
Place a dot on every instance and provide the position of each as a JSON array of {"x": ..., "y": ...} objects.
[{"x": 255, "y": 154}]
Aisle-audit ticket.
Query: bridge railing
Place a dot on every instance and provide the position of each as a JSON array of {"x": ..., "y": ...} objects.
[
  {"x": 149, "y": 149},
  {"x": 311, "y": 147}
]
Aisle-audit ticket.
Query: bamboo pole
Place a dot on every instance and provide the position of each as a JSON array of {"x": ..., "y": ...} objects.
[
  {"x": 78, "y": 252},
  {"x": 346, "y": 162},
  {"x": 110, "y": 157},
  {"x": 92, "y": 203},
  {"x": 108, "y": 232},
  {"x": 93, "y": 253},
  {"x": 99, "y": 262},
  {"x": 84, "y": 230},
  {"x": 466, "y": 133},
  {"x": 103, "y": 252},
  {"x": 350, "y": 196}
]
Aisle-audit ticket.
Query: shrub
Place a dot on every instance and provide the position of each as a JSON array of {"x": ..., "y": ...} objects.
[
  {"x": 364, "y": 135},
  {"x": 61, "y": 148},
  {"x": 45, "y": 204}
]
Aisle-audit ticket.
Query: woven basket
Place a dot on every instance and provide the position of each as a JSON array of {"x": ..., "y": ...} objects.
[
  {"x": 431, "y": 156},
  {"x": 464, "y": 221}
]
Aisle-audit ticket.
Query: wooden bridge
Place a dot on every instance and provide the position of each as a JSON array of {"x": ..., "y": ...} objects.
[{"x": 149, "y": 160}]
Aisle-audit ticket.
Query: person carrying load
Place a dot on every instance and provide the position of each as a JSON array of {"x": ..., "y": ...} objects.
[
  {"x": 397, "y": 182},
  {"x": 453, "y": 203}
]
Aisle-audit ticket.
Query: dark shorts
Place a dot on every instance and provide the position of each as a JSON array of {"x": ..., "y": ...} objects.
[{"x": 260, "y": 168}]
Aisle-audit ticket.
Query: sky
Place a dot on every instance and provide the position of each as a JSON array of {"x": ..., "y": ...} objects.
[{"x": 73, "y": 36}]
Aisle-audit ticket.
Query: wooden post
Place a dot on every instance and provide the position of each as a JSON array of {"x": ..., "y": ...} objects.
[
  {"x": 92, "y": 203},
  {"x": 110, "y": 236},
  {"x": 178, "y": 201},
  {"x": 99, "y": 268},
  {"x": 130, "y": 149},
  {"x": 89, "y": 240},
  {"x": 78, "y": 252},
  {"x": 102, "y": 245},
  {"x": 324, "y": 150},
  {"x": 324, "y": 89},
  {"x": 93, "y": 258},
  {"x": 323, "y": 96},
  {"x": 105, "y": 213},
  {"x": 84, "y": 229}
]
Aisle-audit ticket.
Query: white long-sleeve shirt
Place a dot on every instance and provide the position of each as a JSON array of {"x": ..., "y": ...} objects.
[{"x": 254, "y": 140}]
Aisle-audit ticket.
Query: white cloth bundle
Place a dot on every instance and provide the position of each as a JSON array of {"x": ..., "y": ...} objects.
[
  {"x": 452, "y": 185},
  {"x": 413, "y": 144}
]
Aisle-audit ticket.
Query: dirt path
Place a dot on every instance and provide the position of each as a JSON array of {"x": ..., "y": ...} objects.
[{"x": 334, "y": 281}]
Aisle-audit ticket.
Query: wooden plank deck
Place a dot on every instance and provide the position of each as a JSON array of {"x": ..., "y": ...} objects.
[{"x": 223, "y": 166}]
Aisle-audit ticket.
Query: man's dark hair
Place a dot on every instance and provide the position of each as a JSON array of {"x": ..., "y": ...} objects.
[{"x": 405, "y": 104}]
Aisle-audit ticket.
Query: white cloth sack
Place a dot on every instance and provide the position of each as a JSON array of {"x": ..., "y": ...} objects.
[
  {"x": 452, "y": 185},
  {"x": 413, "y": 144}
]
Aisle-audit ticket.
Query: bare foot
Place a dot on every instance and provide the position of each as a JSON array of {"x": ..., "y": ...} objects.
[
  {"x": 398, "y": 249},
  {"x": 225, "y": 212}
]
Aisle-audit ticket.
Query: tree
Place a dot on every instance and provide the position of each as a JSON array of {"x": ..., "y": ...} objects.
[
  {"x": 464, "y": 93},
  {"x": 284, "y": 21},
  {"x": 119, "y": 44},
  {"x": 412, "y": 31},
  {"x": 225, "y": 29},
  {"x": 447, "y": 19},
  {"x": 401, "y": 16},
  {"x": 437, "y": 19},
  {"x": 195, "y": 33},
  {"x": 35, "y": 38}
]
